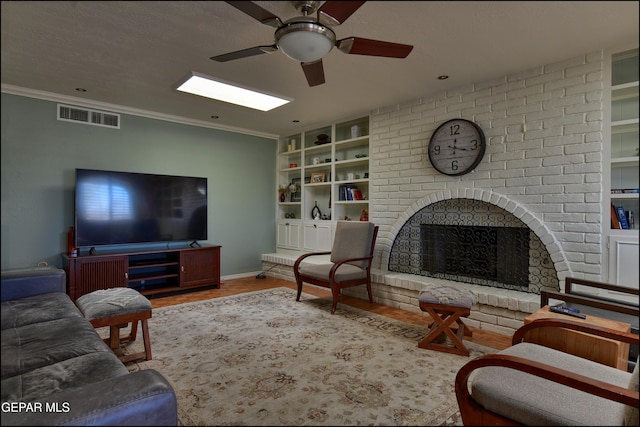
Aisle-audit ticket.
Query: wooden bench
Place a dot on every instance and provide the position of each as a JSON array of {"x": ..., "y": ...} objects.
[
  {"x": 446, "y": 305},
  {"x": 116, "y": 308}
]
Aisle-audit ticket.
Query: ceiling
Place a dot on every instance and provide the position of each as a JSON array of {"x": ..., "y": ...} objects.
[{"x": 133, "y": 53}]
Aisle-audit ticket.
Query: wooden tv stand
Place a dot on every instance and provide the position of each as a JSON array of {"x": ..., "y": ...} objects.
[{"x": 151, "y": 272}]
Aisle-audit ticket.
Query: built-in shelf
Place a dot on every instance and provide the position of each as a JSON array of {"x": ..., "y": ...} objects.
[{"x": 343, "y": 160}]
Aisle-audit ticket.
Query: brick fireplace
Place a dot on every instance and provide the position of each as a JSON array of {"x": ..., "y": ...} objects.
[
  {"x": 542, "y": 171},
  {"x": 472, "y": 241}
]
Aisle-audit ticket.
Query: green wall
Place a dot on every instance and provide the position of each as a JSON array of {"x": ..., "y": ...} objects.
[{"x": 40, "y": 155}]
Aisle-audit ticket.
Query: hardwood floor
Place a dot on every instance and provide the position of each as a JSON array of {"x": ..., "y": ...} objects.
[{"x": 237, "y": 286}]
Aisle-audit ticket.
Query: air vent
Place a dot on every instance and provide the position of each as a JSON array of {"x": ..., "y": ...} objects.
[{"x": 70, "y": 113}]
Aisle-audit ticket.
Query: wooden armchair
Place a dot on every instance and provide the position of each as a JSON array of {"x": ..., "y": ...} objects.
[
  {"x": 529, "y": 384},
  {"x": 351, "y": 256}
]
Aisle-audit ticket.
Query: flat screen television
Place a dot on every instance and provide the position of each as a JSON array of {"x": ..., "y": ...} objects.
[{"x": 113, "y": 208}]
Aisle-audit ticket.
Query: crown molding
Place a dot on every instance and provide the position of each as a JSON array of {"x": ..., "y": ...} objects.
[{"x": 87, "y": 103}]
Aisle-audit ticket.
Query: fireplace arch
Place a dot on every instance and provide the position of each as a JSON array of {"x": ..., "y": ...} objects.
[{"x": 519, "y": 214}]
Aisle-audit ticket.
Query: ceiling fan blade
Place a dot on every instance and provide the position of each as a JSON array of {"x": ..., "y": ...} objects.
[
  {"x": 360, "y": 46},
  {"x": 258, "y": 13},
  {"x": 314, "y": 71},
  {"x": 336, "y": 12},
  {"x": 244, "y": 53}
]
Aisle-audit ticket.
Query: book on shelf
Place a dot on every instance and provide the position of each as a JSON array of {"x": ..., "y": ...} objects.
[
  {"x": 356, "y": 194},
  {"x": 615, "y": 223},
  {"x": 349, "y": 192},
  {"x": 342, "y": 192},
  {"x": 622, "y": 218}
]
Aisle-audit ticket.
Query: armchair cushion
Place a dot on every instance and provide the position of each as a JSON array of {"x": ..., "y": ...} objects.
[
  {"x": 531, "y": 400},
  {"x": 351, "y": 242},
  {"x": 321, "y": 271}
]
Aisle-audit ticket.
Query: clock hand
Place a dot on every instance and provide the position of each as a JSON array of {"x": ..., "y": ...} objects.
[{"x": 454, "y": 145}]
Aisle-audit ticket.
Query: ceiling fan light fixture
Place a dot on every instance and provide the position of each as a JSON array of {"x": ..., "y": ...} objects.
[{"x": 305, "y": 41}]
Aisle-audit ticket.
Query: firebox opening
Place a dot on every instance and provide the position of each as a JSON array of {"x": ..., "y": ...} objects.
[{"x": 499, "y": 254}]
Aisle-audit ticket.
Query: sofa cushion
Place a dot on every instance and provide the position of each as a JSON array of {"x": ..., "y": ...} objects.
[
  {"x": 44, "y": 343},
  {"x": 38, "y": 308},
  {"x": 75, "y": 372},
  {"x": 531, "y": 400}
]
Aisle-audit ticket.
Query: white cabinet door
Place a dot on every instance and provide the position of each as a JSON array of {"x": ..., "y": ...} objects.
[
  {"x": 623, "y": 263},
  {"x": 318, "y": 236},
  {"x": 288, "y": 235}
]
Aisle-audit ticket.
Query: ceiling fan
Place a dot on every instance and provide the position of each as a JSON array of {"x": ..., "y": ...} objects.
[{"x": 307, "y": 39}]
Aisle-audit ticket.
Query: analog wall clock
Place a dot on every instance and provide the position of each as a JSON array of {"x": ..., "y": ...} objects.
[{"x": 456, "y": 147}]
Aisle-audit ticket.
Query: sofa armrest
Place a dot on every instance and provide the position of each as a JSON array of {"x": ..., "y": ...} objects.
[
  {"x": 23, "y": 283},
  {"x": 142, "y": 398}
]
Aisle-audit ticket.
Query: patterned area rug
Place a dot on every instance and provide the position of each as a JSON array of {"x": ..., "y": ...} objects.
[{"x": 261, "y": 358}]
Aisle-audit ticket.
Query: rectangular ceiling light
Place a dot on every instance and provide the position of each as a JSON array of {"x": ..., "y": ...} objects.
[{"x": 203, "y": 85}]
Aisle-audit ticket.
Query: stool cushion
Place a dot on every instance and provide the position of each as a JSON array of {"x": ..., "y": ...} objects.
[
  {"x": 112, "y": 302},
  {"x": 447, "y": 295}
]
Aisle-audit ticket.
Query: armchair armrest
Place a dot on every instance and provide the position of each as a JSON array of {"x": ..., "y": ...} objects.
[
  {"x": 571, "y": 295},
  {"x": 348, "y": 260}
]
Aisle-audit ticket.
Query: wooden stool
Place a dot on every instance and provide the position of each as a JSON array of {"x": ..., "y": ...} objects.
[
  {"x": 446, "y": 305},
  {"x": 115, "y": 308}
]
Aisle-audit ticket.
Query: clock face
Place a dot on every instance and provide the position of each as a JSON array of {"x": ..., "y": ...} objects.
[{"x": 456, "y": 147}]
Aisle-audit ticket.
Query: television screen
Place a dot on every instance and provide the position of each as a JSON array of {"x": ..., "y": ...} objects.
[{"x": 123, "y": 207}]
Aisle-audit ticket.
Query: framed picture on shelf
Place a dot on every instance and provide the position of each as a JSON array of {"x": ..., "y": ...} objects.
[
  {"x": 317, "y": 177},
  {"x": 295, "y": 196}
]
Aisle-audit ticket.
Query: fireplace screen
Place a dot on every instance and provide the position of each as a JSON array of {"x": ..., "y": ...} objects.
[
  {"x": 472, "y": 241},
  {"x": 492, "y": 253}
]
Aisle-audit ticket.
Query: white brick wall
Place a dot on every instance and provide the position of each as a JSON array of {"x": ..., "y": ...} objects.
[{"x": 543, "y": 161}]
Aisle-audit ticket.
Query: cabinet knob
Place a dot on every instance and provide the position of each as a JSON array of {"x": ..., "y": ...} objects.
[
  {"x": 182, "y": 268},
  {"x": 126, "y": 276},
  {"x": 315, "y": 225}
]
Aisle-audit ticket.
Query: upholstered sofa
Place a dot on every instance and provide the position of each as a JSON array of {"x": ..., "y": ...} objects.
[{"x": 56, "y": 370}]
